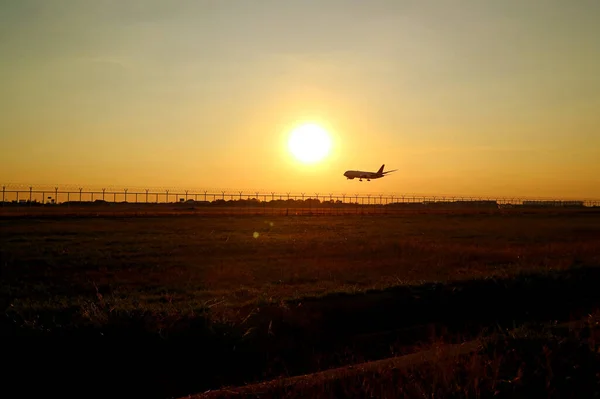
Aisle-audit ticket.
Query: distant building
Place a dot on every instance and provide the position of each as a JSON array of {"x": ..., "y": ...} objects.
[{"x": 554, "y": 203}]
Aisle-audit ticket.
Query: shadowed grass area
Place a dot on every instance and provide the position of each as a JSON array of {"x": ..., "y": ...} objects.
[
  {"x": 179, "y": 355},
  {"x": 539, "y": 362},
  {"x": 198, "y": 302}
]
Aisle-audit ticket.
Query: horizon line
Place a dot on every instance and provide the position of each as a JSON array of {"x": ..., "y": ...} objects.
[{"x": 112, "y": 189}]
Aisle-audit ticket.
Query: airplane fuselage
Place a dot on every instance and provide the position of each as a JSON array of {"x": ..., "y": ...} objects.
[{"x": 359, "y": 174}]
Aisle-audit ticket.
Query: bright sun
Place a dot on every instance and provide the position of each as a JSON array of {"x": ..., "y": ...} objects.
[{"x": 309, "y": 143}]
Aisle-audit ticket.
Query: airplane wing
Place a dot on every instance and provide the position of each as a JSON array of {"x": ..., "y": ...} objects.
[{"x": 390, "y": 171}]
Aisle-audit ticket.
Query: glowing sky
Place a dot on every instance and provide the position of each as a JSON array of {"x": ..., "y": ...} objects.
[{"x": 480, "y": 97}]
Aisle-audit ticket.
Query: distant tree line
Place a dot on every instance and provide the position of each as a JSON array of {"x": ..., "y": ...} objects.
[{"x": 314, "y": 202}]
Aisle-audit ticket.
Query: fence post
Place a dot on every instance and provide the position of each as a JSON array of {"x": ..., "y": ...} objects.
[
  {"x": 125, "y": 194},
  {"x": 223, "y": 192},
  {"x": 80, "y": 190},
  {"x": 167, "y": 196},
  {"x": 56, "y": 195},
  {"x": 103, "y": 192},
  {"x": 186, "y": 195},
  {"x": 30, "y": 194},
  {"x": 3, "y": 194}
]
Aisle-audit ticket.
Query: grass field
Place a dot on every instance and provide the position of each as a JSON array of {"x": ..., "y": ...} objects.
[
  {"x": 546, "y": 361},
  {"x": 207, "y": 300}
]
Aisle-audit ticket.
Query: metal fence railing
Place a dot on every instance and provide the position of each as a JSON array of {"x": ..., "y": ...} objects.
[{"x": 33, "y": 196}]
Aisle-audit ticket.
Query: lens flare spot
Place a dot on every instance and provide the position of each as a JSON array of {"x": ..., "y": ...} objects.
[{"x": 255, "y": 235}]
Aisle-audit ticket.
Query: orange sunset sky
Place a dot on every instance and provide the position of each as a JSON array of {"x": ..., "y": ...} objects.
[{"x": 480, "y": 97}]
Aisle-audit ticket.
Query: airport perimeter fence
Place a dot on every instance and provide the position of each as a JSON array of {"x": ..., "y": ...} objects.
[{"x": 230, "y": 201}]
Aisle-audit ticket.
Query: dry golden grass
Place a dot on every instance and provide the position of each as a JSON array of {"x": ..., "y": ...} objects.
[
  {"x": 188, "y": 262},
  {"x": 549, "y": 361},
  {"x": 258, "y": 291}
]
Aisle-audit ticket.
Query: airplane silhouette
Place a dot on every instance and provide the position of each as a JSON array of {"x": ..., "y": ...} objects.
[{"x": 352, "y": 174}]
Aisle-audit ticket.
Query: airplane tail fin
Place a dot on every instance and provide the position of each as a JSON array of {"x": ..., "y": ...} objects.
[{"x": 380, "y": 169}]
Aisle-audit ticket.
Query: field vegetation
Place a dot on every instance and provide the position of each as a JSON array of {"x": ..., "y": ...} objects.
[
  {"x": 532, "y": 361},
  {"x": 166, "y": 305}
]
